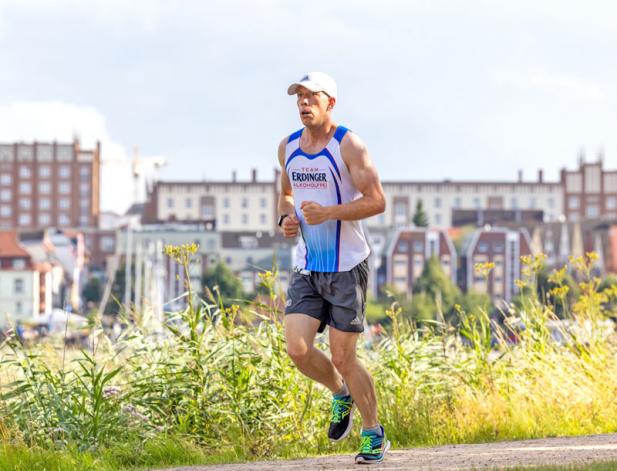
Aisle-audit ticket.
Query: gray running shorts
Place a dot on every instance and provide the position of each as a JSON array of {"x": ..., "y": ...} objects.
[{"x": 337, "y": 299}]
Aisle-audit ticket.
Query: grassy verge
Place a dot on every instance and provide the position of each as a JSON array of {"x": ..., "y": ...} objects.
[{"x": 220, "y": 378}]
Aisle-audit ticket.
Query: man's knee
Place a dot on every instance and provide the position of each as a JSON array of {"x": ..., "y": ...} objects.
[
  {"x": 298, "y": 351},
  {"x": 343, "y": 361}
]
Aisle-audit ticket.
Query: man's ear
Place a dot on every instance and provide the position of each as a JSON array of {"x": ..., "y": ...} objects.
[{"x": 331, "y": 102}]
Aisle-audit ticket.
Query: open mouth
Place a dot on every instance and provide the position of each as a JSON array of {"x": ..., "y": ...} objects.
[{"x": 306, "y": 113}]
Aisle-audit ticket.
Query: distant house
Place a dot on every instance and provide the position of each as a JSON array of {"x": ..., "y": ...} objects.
[
  {"x": 409, "y": 251},
  {"x": 500, "y": 246},
  {"x": 19, "y": 281}
]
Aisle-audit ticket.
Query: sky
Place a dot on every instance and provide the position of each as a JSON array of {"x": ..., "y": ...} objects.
[{"x": 462, "y": 90}]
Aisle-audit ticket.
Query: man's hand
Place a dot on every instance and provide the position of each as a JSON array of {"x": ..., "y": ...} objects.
[
  {"x": 314, "y": 213},
  {"x": 290, "y": 226}
]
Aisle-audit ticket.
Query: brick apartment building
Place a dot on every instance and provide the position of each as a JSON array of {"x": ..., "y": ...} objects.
[
  {"x": 503, "y": 247},
  {"x": 49, "y": 185},
  {"x": 410, "y": 250}
]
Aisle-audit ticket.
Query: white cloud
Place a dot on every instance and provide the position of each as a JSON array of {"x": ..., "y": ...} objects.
[{"x": 54, "y": 120}]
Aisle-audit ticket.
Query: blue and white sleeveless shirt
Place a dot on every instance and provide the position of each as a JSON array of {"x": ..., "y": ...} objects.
[{"x": 332, "y": 246}]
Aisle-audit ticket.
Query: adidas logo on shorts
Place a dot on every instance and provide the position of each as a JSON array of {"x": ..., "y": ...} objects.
[
  {"x": 288, "y": 303},
  {"x": 356, "y": 321}
]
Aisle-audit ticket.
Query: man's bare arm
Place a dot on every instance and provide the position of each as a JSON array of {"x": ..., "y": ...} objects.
[
  {"x": 286, "y": 201},
  {"x": 365, "y": 179}
]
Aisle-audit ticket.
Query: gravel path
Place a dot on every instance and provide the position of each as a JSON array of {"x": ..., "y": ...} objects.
[{"x": 568, "y": 450}]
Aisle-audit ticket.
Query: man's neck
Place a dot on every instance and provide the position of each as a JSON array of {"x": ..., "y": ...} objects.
[{"x": 319, "y": 133}]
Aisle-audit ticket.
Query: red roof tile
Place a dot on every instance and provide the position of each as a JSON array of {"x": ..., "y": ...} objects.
[{"x": 10, "y": 246}]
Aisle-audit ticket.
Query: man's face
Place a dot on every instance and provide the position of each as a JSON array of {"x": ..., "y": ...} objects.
[{"x": 314, "y": 107}]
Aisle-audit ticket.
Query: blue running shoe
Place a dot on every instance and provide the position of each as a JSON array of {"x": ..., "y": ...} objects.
[
  {"x": 373, "y": 447},
  {"x": 342, "y": 418}
]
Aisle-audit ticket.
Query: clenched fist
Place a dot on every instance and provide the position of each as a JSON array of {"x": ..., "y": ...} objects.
[
  {"x": 313, "y": 213},
  {"x": 290, "y": 226}
]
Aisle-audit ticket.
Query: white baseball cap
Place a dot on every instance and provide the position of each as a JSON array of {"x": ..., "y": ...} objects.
[{"x": 315, "y": 82}]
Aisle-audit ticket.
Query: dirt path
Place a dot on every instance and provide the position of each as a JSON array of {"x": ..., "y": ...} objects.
[{"x": 456, "y": 457}]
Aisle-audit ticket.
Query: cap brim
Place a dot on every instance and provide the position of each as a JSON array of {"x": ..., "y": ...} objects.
[{"x": 312, "y": 86}]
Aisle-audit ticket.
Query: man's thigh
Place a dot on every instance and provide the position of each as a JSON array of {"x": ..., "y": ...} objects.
[
  {"x": 300, "y": 331},
  {"x": 303, "y": 298},
  {"x": 346, "y": 294}
]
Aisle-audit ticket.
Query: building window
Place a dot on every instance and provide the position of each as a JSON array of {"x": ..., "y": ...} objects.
[
  {"x": 226, "y": 219},
  {"x": 532, "y": 203},
  {"x": 611, "y": 202},
  {"x": 208, "y": 212},
  {"x": 24, "y": 219},
  {"x": 44, "y": 203},
  {"x": 24, "y": 172},
  {"x": 64, "y": 171},
  {"x": 476, "y": 203},
  {"x": 170, "y": 203},
  {"x": 18, "y": 307},
  {"x": 84, "y": 221},
  {"x": 64, "y": 188},
  {"x": 63, "y": 219},
  {"x": 403, "y": 246},
  {"x": 84, "y": 171},
  {"x": 44, "y": 219},
  {"x": 44, "y": 171},
  {"x": 551, "y": 202},
  {"x": 25, "y": 203},
  {"x": 107, "y": 243},
  {"x": 5, "y": 211},
  {"x": 6, "y": 179},
  {"x": 84, "y": 188},
  {"x": 400, "y": 209},
  {"x": 514, "y": 203},
  {"x": 211, "y": 244},
  {"x": 498, "y": 247},
  {"x": 437, "y": 202},
  {"x": 263, "y": 218},
  {"x": 245, "y": 219},
  {"x": 482, "y": 247},
  {"x": 574, "y": 202},
  {"x": 225, "y": 202},
  {"x": 437, "y": 218},
  {"x": 5, "y": 195},
  {"x": 64, "y": 203},
  {"x": 264, "y": 203},
  {"x": 245, "y": 202},
  {"x": 457, "y": 203},
  {"x": 418, "y": 246},
  {"x": 44, "y": 188},
  {"x": 592, "y": 211},
  {"x": 19, "y": 264},
  {"x": 188, "y": 203},
  {"x": 85, "y": 203}
]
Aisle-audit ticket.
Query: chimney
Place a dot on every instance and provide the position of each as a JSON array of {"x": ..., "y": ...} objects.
[
  {"x": 254, "y": 175},
  {"x": 520, "y": 176},
  {"x": 234, "y": 176},
  {"x": 540, "y": 176},
  {"x": 581, "y": 158}
]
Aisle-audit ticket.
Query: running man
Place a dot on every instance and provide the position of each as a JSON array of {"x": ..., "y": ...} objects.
[{"x": 328, "y": 185}]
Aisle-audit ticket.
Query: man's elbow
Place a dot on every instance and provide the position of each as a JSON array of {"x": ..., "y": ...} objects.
[{"x": 380, "y": 205}]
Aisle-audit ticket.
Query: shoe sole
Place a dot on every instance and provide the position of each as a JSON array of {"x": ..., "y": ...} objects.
[
  {"x": 349, "y": 426},
  {"x": 361, "y": 460}
]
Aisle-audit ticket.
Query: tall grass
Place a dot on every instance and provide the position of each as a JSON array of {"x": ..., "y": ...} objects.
[{"x": 218, "y": 380}]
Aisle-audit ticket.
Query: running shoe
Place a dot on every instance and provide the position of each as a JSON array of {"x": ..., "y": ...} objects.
[
  {"x": 342, "y": 418},
  {"x": 373, "y": 447}
]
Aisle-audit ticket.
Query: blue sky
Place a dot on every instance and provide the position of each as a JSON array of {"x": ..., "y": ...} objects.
[{"x": 459, "y": 89}]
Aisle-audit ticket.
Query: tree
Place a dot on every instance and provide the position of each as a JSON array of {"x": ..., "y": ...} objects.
[
  {"x": 229, "y": 286},
  {"x": 420, "y": 219},
  {"x": 92, "y": 291},
  {"x": 437, "y": 285}
]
